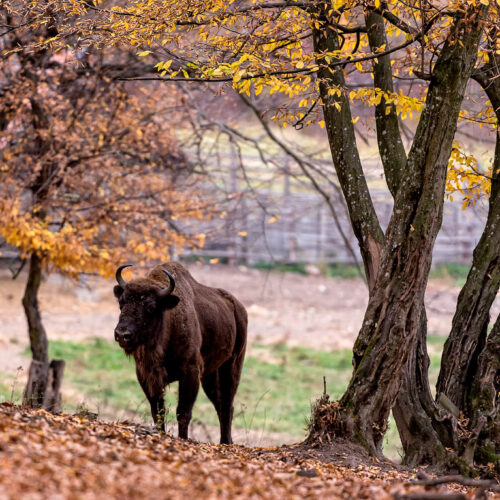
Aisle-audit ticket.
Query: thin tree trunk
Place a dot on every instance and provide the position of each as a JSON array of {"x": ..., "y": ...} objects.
[
  {"x": 471, "y": 319},
  {"x": 44, "y": 378},
  {"x": 345, "y": 155},
  {"x": 389, "y": 141},
  {"x": 39, "y": 369}
]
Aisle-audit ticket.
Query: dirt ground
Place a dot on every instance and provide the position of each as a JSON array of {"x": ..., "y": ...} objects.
[
  {"x": 314, "y": 311},
  {"x": 67, "y": 456}
]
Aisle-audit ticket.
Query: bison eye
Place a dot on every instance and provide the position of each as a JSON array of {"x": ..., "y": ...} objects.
[{"x": 142, "y": 297}]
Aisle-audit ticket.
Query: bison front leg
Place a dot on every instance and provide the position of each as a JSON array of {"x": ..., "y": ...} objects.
[
  {"x": 158, "y": 411},
  {"x": 188, "y": 390}
]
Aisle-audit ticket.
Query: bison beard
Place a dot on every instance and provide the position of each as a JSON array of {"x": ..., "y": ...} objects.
[{"x": 198, "y": 334}]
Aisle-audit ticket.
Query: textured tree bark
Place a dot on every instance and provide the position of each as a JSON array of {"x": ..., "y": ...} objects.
[
  {"x": 389, "y": 141},
  {"x": 425, "y": 430},
  {"x": 52, "y": 396},
  {"x": 421, "y": 422},
  {"x": 345, "y": 155},
  {"x": 414, "y": 403},
  {"x": 470, "y": 323},
  {"x": 484, "y": 404},
  {"x": 37, "y": 381},
  {"x": 471, "y": 319},
  {"x": 39, "y": 369},
  {"x": 395, "y": 309}
]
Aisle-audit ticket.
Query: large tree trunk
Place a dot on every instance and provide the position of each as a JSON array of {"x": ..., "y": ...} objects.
[
  {"x": 415, "y": 402},
  {"x": 470, "y": 323},
  {"x": 395, "y": 309},
  {"x": 484, "y": 403},
  {"x": 424, "y": 428},
  {"x": 427, "y": 427}
]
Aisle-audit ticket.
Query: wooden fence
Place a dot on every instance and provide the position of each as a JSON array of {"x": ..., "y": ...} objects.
[{"x": 287, "y": 222}]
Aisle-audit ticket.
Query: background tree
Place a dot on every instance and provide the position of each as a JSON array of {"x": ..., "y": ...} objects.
[{"x": 89, "y": 176}]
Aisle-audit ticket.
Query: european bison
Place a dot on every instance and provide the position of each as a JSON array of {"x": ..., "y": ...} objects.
[{"x": 197, "y": 334}]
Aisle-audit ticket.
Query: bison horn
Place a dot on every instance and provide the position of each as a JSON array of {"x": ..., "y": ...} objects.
[
  {"x": 118, "y": 275},
  {"x": 167, "y": 291}
]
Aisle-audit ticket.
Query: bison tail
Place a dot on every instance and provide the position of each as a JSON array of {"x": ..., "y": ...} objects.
[{"x": 241, "y": 318}]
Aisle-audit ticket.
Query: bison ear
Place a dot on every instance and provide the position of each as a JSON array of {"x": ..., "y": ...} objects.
[
  {"x": 117, "y": 290},
  {"x": 169, "y": 302}
]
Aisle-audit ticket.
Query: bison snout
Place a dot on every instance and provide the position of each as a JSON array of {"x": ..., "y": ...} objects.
[{"x": 122, "y": 335}]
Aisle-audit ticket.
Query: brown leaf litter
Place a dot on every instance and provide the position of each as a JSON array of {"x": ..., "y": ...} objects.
[{"x": 68, "y": 456}]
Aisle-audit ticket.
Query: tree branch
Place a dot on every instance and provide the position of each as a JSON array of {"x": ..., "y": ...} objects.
[
  {"x": 345, "y": 155},
  {"x": 302, "y": 165},
  {"x": 392, "y": 152}
]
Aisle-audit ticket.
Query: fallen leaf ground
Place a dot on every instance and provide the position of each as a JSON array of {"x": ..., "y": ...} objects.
[{"x": 67, "y": 456}]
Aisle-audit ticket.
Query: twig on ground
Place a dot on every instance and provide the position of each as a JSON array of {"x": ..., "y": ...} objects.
[
  {"x": 430, "y": 496},
  {"x": 425, "y": 480},
  {"x": 482, "y": 486}
]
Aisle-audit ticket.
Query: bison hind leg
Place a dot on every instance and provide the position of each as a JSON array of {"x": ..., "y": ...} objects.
[
  {"x": 229, "y": 379},
  {"x": 210, "y": 384},
  {"x": 188, "y": 390}
]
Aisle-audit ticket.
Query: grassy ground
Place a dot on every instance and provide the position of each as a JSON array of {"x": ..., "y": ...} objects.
[
  {"x": 345, "y": 271},
  {"x": 278, "y": 384},
  {"x": 455, "y": 273}
]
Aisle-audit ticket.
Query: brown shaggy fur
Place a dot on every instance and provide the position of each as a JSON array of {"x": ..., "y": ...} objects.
[{"x": 197, "y": 333}]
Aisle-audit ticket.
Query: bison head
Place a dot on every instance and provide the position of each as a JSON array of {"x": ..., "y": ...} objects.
[{"x": 142, "y": 303}]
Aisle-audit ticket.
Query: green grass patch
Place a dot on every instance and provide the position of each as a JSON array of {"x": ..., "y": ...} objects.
[
  {"x": 281, "y": 267},
  {"x": 277, "y": 387},
  {"x": 10, "y": 388},
  {"x": 344, "y": 271},
  {"x": 5, "y": 390},
  {"x": 278, "y": 383},
  {"x": 451, "y": 271}
]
